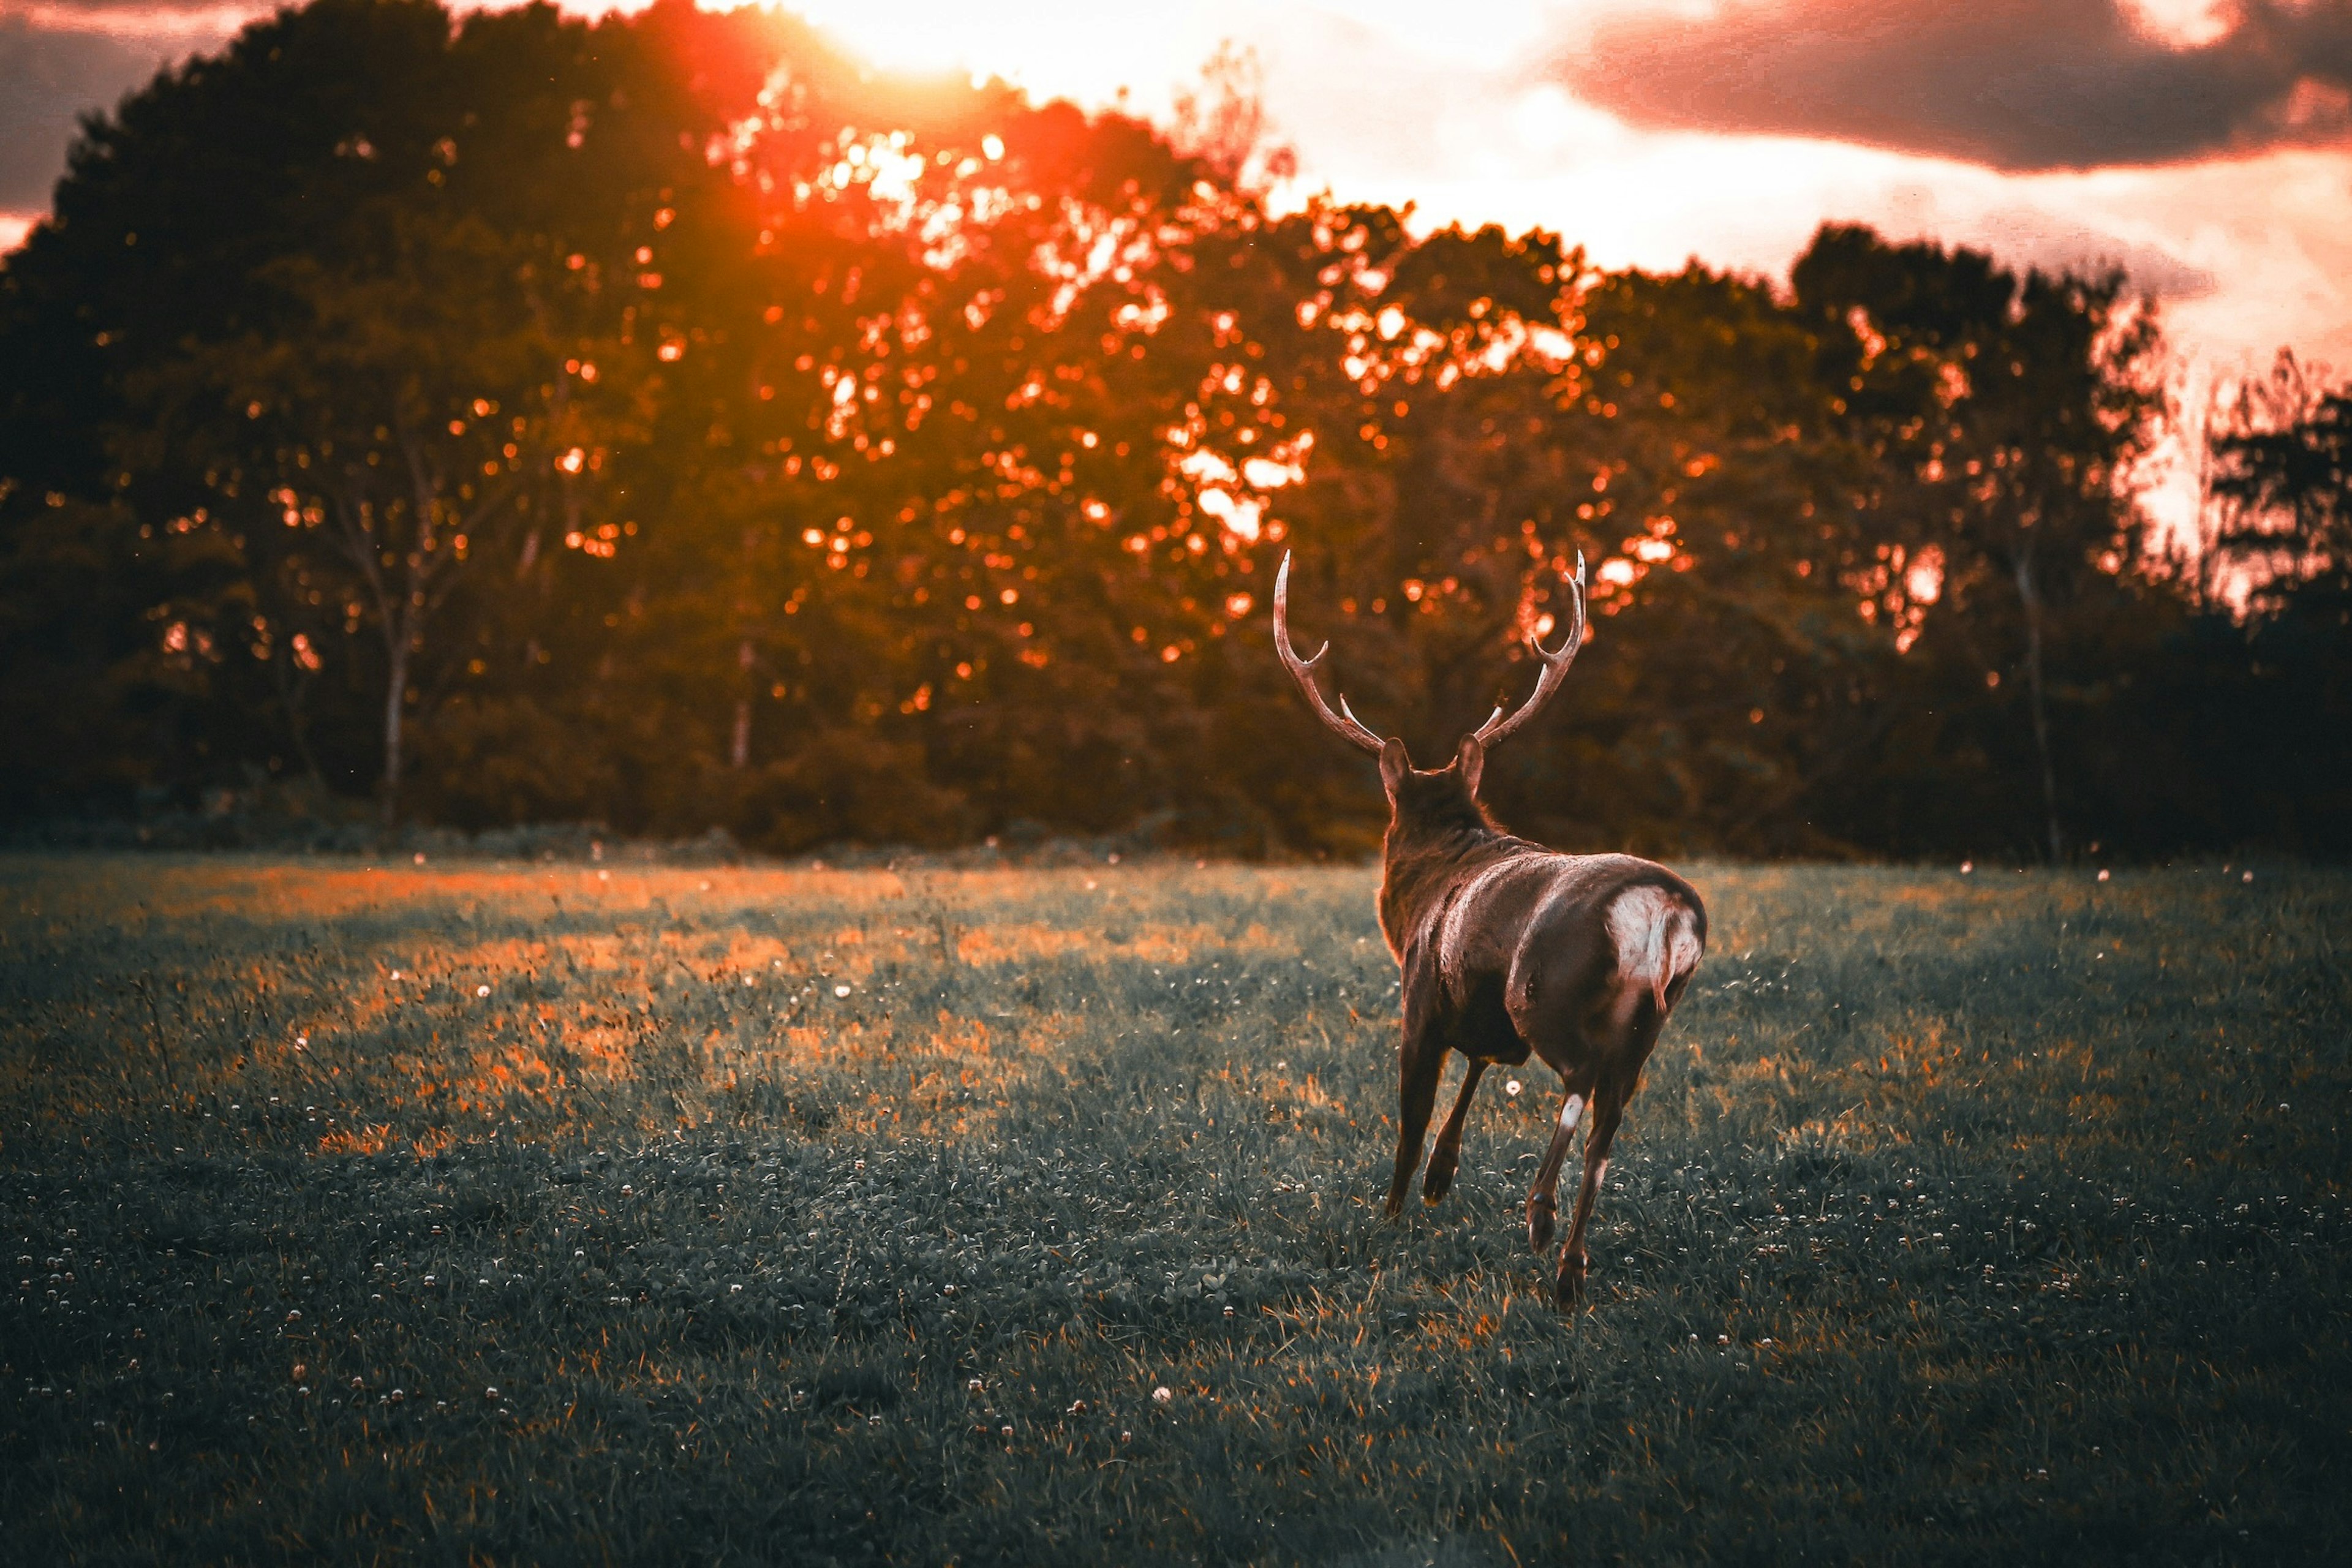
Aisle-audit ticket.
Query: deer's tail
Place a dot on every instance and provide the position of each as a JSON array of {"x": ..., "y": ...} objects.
[{"x": 1656, "y": 937}]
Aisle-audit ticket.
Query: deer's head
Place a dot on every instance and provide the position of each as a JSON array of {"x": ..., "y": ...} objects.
[{"x": 1440, "y": 796}]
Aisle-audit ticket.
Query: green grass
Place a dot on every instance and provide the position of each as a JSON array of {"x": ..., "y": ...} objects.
[{"x": 1961, "y": 1219}]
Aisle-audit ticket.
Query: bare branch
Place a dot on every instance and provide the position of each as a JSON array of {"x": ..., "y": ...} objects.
[{"x": 361, "y": 546}]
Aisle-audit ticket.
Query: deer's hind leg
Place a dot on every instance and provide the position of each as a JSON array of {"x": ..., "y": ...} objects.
[
  {"x": 1631, "y": 1029},
  {"x": 1543, "y": 1198},
  {"x": 1609, "y": 1108}
]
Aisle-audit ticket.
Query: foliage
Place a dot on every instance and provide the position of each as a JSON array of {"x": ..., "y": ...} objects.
[
  {"x": 586, "y": 1212},
  {"x": 664, "y": 421}
]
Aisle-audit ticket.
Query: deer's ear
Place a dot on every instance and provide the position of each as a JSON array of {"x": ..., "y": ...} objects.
[
  {"x": 1473, "y": 762},
  {"x": 1393, "y": 763}
]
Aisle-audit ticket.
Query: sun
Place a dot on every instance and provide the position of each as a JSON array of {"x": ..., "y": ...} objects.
[
  {"x": 923, "y": 38},
  {"x": 1054, "y": 48}
]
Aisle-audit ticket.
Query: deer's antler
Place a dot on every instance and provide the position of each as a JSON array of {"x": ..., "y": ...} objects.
[
  {"x": 1555, "y": 665},
  {"x": 1344, "y": 724}
]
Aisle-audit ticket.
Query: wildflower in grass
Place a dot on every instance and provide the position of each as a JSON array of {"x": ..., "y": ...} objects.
[
  {"x": 1512, "y": 1087},
  {"x": 481, "y": 991},
  {"x": 844, "y": 989},
  {"x": 1162, "y": 1394}
]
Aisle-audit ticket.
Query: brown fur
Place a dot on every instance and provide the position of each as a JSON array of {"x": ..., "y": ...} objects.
[
  {"x": 1509, "y": 949},
  {"x": 1506, "y": 952}
]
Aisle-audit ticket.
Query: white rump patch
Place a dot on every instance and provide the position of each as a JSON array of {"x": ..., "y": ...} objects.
[{"x": 1656, "y": 937}]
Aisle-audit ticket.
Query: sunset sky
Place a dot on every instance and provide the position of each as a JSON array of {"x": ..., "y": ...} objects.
[{"x": 2205, "y": 147}]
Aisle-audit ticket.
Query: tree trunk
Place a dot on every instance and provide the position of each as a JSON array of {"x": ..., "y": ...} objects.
[
  {"x": 2029, "y": 595},
  {"x": 739, "y": 755},
  {"x": 395, "y": 699},
  {"x": 289, "y": 700}
]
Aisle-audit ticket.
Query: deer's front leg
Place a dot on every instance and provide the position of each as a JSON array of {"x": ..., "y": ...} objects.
[
  {"x": 1543, "y": 1198},
  {"x": 1421, "y": 1061},
  {"x": 1416, "y": 1094},
  {"x": 1569, "y": 1284},
  {"x": 1446, "y": 1157}
]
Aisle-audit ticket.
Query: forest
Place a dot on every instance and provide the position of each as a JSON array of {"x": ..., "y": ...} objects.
[{"x": 664, "y": 422}]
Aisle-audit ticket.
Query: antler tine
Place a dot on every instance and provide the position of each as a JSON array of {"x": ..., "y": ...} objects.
[
  {"x": 1555, "y": 665},
  {"x": 1349, "y": 727}
]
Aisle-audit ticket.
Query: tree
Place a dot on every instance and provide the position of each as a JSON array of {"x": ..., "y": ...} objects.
[
  {"x": 2005, "y": 414},
  {"x": 405, "y": 424},
  {"x": 2284, "y": 462},
  {"x": 667, "y": 422},
  {"x": 432, "y": 219},
  {"x": 2288, "y": 471}
]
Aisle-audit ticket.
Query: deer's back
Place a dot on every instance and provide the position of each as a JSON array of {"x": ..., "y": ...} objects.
[{"x": 1540, "y": 923}]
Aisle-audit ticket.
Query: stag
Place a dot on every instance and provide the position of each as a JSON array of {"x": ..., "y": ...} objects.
[{"x": 1509, "y": 949}]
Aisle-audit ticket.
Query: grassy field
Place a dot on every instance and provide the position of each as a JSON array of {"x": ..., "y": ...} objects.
[{"x": 571, "y": 1214}]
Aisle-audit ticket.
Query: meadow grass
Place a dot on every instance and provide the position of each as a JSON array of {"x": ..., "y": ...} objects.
[{"x": 571, "y": 1214}]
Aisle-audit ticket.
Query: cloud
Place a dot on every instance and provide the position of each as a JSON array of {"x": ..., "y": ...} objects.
[
  {"x": 2028, "y": 236},
  {"x": 54, "y": 69},
  {"x": 2012, "y": 84}
]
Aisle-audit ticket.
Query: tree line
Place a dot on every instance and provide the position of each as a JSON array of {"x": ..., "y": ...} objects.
[{"x": 664, "y": 421}]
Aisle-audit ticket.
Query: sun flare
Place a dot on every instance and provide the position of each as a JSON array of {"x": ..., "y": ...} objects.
[{"x": 1056, "y": 50}]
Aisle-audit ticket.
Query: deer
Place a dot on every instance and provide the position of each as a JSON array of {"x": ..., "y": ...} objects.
[{"x": 1506, "y": 949}]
